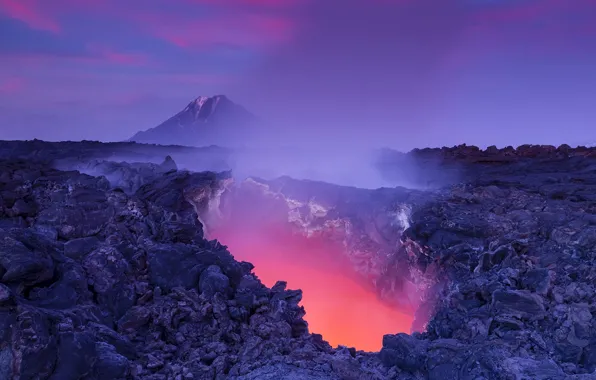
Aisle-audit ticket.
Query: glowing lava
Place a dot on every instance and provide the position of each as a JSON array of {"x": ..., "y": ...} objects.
[{"x": 337, "y": 305}]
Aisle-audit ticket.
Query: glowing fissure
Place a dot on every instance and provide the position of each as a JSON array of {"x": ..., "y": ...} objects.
[{"x": 349, "y": 296}]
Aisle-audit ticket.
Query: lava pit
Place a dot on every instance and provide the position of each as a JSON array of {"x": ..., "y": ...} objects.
[{"x": 312, "y": 248}]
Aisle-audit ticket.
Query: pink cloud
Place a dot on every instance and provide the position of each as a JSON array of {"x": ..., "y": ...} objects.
[
  {"x": 252, "y": 3},
  {"x": 105, "y": 54},
  {"x": 249, "y": 23},
  {"x": 11, "y": 85},
  {"x": 43, "y": 14},
  {"x": 28, "y": 11},
  {"x": 249, "y": 30}
]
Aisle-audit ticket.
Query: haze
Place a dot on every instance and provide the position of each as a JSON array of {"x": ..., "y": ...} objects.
[{"x": 398, "y": 73}]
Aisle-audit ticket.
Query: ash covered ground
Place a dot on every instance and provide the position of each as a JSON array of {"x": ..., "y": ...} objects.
[{"x": 109, "y": 269}]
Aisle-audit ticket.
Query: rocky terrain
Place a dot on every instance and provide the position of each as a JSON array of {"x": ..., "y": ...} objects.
[{"x": 110, "y": 274}]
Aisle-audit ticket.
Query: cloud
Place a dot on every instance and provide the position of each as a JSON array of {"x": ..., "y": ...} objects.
[
  {"x": 105, "y": 54},
  {"x": 187, "y": 24},
  {"x": 11, "y": 85},
  {"x": 29, "y": 12},
  {"x": 242, "y": 30},
  {"x": 275, "y": 4}
]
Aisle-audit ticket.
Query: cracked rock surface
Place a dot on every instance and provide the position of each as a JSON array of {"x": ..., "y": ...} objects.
[{"x": 111, "y": 277}]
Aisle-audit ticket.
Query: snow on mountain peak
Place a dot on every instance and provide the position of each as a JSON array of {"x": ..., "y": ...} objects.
[{"x": 204, "y": 106}]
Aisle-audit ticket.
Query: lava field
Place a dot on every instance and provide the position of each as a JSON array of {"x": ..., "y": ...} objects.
[{"x": 145, "y": 270}]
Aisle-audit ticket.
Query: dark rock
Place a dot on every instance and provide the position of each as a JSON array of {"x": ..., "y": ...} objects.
[
  {"x": 35, "y": 344},
  {"x": 78, "y": 248},
  {"x": 77, "y": 355},
  {"x": 174, "y": 265},
  {"x": 168, "y": 164},
  {"x": 518, "y": 303},
  {"x": 21, "y": 265},
  {"x": 526, "y": 368},
  {"x": 110, "y": 364},
  {"x": 105, "y": 271},
  {"x": 6, "y": 359},
  {"x": 70, "y": 289},
  {"x": 135, "y": 318},
  {"x": 404, "y": 351},
  {"x": 72, "y": 223},
  {"x": 23, "y": 208},
  {"x": 588, "y": 359},
  {"x": 537, "y": 280},
  {"x": 213, "y": 281},
  {"x": 5, "y": 295}
]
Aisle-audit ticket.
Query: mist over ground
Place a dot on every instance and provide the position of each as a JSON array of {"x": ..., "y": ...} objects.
[{"x": 333, "y": 164}]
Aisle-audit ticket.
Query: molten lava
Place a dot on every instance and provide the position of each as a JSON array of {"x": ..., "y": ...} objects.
[{"x": 337, "y": 304}]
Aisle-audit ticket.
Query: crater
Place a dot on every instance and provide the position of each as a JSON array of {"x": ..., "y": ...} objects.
[{"x": 342, "y": 246}]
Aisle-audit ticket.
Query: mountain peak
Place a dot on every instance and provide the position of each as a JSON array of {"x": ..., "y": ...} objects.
[
  {"x": 204, "y": 106},
  {"x": 205, "y": 120}
]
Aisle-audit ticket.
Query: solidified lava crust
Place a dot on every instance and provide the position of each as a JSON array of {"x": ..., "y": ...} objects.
[{"x": 112, "y": 277}]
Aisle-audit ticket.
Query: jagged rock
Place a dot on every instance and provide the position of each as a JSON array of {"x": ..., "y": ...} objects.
[
  {"x": 5, "y": 294},
  {"x": 533, "y": 369},
  {"x": 404, "y": 351},
  {"x": 107, "y": 274},
  {"x": 213, "y": 281},
  {"x": 537, "y": 280},
  {"x": 77, "y": 355},
  {"x": 135, "y": 318},
  {"x": 173, "y": 265},
  {"x": 168, "y": 164},
  {"x": 78, "y": 248},
  {"x": 69, "y": 290},
  {"x": 21, "y": 265},
  {"x": 519, "y": 304},
  {"x": 110, "y": 364}
]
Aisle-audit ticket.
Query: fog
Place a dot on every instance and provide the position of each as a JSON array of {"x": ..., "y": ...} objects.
[
  {"x": 348, "y": 160},
  {"x": 334, "y": 164}
]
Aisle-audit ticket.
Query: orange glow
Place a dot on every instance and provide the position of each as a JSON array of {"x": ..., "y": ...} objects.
[{"x": 337, "y": 306}]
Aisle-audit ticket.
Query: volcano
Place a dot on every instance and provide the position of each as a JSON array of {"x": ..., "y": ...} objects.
[{"x": 205, "y": 121}]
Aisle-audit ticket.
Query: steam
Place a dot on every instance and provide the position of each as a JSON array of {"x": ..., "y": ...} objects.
[{"x": 329, "y": 164}]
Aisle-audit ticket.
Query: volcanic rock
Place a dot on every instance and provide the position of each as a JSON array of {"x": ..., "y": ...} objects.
[{"x": 106, "y": 278}]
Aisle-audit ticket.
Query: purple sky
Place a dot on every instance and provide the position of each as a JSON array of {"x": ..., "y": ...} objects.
[{"x": 401, "y": 73}]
